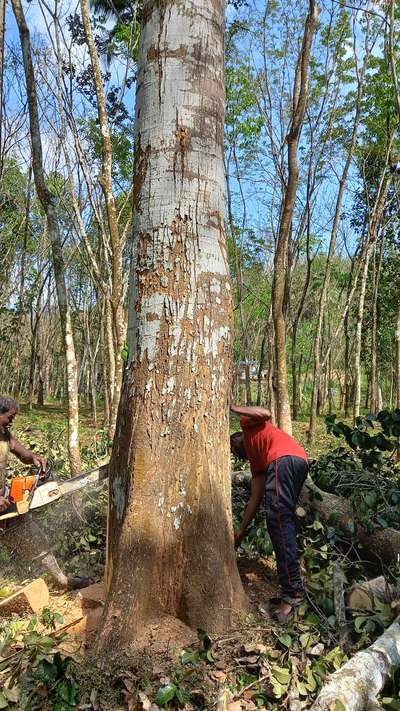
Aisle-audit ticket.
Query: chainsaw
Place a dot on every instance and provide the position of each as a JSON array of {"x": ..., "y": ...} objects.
[{"x": 42, "y": 487}]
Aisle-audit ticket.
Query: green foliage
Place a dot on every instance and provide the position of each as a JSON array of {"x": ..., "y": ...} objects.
[
  {"x": 35, "y": 675},
  {"x": 370, "y": 448}
]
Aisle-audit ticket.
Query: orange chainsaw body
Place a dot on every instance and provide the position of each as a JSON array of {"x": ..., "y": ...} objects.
[{"x": 20, "y": 491}]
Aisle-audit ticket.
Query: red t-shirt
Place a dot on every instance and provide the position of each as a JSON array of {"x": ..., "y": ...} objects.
[{"x": 264, "y": 443}]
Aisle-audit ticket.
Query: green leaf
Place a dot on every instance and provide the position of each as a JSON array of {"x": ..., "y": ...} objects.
[
  {"x": 382, "y": 521},
  {"x": 305, "y": 639},
  {"x": 282, "y": 675},
  {"x": 3, "y": 701},
  {"x": 311, "y": 684},
  {"x": 5, "y": 592},
  {"x": 359, "y": 622},
  {"x": 165, "y": 694},
  {"x": 189, "y": 657},
  {"x": 46, "y": 672},
  {"x": 286, "y": 640},
  {"x": 68, "y": 691},
  {"x": 339, "y": 706}
]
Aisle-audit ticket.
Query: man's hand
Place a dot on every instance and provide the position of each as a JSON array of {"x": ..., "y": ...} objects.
[
  {"x": 39, "y": 462},
  {"x": 254, "y": 413},
  {"x": 4, "y": 504}
]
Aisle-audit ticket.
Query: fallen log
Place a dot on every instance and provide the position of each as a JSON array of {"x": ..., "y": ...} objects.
[
  {"x": 383, "y": 543},
  {"x": 362, "y": 595},
  {"x": 358, "y": 682}
]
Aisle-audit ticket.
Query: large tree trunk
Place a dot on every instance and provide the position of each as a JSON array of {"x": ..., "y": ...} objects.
[
  {"x": 300, "y": 95},
  {"x": 358, "y": 682},
  {"x": 49, "y": 205},
  {"x": 170, "y": 541}
]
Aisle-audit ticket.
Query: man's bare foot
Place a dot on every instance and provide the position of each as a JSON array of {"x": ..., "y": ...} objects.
[{"x": 283, "y": 612}]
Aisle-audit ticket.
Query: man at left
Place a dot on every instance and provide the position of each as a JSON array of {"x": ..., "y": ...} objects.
[{"x": 22, "y": 535}]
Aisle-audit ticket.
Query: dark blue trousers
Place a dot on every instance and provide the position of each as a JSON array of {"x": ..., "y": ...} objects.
[{"x": 284, "y": 481}]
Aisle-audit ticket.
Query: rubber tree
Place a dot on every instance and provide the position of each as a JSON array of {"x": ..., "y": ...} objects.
[
  {"x": 360, "y": 78},
  {"x": 116, "y": 242},
  {"x": 299, "y": 103},
  {"x": 50, "y": 207},
  {"x": 170, "y": 542}
]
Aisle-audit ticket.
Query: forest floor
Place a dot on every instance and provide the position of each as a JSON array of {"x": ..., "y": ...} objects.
[{"x": 259, "y": 664}]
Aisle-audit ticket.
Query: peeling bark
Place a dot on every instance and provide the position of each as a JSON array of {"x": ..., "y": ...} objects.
[{"x": 170, "y": 539}]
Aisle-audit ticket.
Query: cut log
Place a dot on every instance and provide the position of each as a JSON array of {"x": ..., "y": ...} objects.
[
  {"x": 30, "y": 599},
  {"x": 358, "y": 682},
  {"x": 362, "y": 594}
]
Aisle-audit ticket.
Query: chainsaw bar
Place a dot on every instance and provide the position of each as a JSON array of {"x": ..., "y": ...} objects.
[{"x": 54, "y": 490}]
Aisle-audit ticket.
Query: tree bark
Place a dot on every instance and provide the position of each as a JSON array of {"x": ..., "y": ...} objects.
[
  {"x": 170, "y": 540},
  {"x": 300, "y": 96},
  {"x": 358, "y": 682},
  {"x": 374, "y": 394},
  {"x": 358, "y": 338},
  {"x": 49, "y": 204}
]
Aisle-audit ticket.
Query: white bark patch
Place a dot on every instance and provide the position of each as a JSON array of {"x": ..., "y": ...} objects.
[{"x": 118, "y": 497}]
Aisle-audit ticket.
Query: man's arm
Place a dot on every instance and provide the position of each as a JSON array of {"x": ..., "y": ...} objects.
[
  {"x": 257, "y": 493},
  {"x": 25, "y": 455},
  {"x": 259, "y": 414}
]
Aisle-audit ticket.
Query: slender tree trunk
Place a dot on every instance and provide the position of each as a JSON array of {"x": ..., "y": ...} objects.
[
  {"x": 397, "y": 371},
  {"x": 49, "y": 205},
  {"x": 239, "y": 283},
  {"x": 331, "y": 252},
  {"x": 2, "y": 35},
  {"x": 261, "y": 368},
  {"x": 300, "y": 95},
  {"x": 374, "y": 398},
  {"x": 358, "y": 335},
  {"x": 169, "y": 472},
  {"x": 117, "y": 305}
]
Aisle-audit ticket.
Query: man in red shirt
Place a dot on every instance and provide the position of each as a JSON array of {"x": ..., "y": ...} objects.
[{"x": 279, "y": 467}]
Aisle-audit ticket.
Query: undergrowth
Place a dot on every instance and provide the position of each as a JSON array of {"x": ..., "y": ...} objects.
[{"x": 260, "y": 665}]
